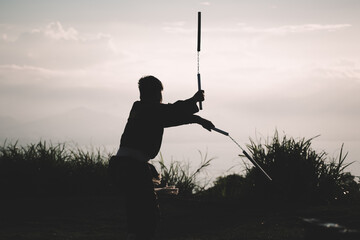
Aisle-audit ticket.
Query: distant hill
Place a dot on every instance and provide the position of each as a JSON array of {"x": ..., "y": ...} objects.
[{"x": 81, "y": 125}]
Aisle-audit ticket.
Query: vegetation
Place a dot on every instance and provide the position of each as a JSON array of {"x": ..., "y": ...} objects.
[
  {"x": 299, "y": 173},
  {"x": 45, "y": 169},
  {"x": 181, "y": 176}
]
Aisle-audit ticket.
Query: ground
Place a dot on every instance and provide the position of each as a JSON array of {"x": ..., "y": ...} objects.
[{"x": 102, "y": 218}]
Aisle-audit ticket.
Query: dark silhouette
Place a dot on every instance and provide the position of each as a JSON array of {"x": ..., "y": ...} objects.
[{"x": 140, "y": 142}]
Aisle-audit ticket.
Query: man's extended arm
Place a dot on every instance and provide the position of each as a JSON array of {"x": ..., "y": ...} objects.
[{"x": 182, "y": 112}]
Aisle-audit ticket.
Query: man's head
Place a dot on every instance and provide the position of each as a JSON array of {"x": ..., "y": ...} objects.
[{"x": 150, "y": 89}]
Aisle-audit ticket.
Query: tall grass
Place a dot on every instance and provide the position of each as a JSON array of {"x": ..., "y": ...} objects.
[
  {"x": 179, "y": 174},
  {"x": 47, "y": 169},
  {"x": 299, "y": 173}
]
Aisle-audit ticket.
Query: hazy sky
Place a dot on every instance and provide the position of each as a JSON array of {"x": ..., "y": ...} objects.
[{"x": 288, "y": 65}]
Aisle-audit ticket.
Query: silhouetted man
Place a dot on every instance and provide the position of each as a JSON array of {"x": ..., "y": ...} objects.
[{"x": 140, "y": 142}]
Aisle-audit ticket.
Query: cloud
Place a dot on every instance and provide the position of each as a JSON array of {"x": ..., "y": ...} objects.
[
  {"x": 16, "y": 75},
  {"x": 4, "y": 36},
  {"x": 341, "y": 69},
  {"x": 205, "y": 3},
  {"x": 57, "y": 47},
  {"x": 176, "y": 27},
  {"x": 30, "y": 92},
  {"x": 291, "y": 29},
  {"x": 26, "y": 76},
  {"x": 245, "y": 28},
  {"x": 56, "y": 31}
]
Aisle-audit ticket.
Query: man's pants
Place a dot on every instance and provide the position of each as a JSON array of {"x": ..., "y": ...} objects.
[{"x": 134, "y": 181}]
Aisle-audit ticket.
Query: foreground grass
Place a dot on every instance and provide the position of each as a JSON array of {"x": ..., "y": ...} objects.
[
  {"x": 103, "y": 218},
  {"x": 52, "y": 192},
  {"x": 48, "y": 169}
]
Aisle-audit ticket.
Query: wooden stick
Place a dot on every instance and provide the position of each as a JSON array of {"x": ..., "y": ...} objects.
[
  {"x": 198, "y": 53},
  {"x": 220, "y": 131},
  {"x": 244, "y": 152},
  {"x": 199, "y": 88},
  {"x": 199, "y": 32}
]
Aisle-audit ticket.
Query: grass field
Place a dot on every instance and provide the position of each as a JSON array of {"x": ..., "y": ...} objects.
[
  {"x": 103, "y": 218},
  {"x": 61, "y": 193}
]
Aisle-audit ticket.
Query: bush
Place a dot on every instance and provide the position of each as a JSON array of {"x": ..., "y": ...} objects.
[
  {"x": 299, "y": 174},
  {"x": 179, "y": 174},
  {"x": 230, "y": 187},
  {"x": 46, "y": 169}
]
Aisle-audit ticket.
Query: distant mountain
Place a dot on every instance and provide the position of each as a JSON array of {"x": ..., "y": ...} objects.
[{"x": 81, "y": 125}]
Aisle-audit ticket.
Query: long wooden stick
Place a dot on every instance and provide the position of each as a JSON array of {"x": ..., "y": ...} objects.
[
  {"x": 244, "y": 152},
  {"x": 199, "y": 32},
  {"x": 198, "y": 55}
]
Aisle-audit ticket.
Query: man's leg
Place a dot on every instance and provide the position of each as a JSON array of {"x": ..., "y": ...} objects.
[{"x": 142, "y": 205}]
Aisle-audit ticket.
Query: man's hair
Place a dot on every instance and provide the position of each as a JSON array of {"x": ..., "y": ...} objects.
[{"x": 150, "y": 89}]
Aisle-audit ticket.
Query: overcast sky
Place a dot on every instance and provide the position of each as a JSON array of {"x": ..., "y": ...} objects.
[{"x": 288, "y": 65}]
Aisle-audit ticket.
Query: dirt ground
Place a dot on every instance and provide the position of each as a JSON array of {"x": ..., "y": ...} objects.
[{"x": 103, "y": 218}]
